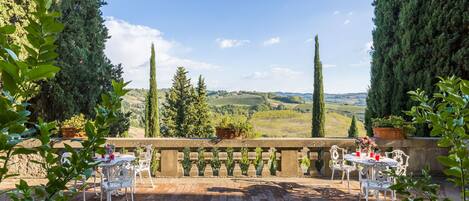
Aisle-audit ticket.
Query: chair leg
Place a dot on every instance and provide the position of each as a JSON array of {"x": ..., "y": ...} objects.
[
  {"x": 366, "y": 194},
  {"x": 393, "y": 195},
  {"x": 348, "y": 181},
  {"x": 377, "y": 195},
  {"x": 108, "y": 196},
  {"x": 151, "y": 180},
  {"x": 332, "y": 176},
  {"x": 132, "y": 193},
  {"x": 343, "y": 174},
  {"x": 126, "y": 197},
  {"x": 385, "y": 195}
]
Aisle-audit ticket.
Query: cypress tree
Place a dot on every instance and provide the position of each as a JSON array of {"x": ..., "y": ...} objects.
[
  {"x": 414, "y": 43},
  {"x": 152, "y": 124},
  {"x": 202, "y": 127},
  {"x": 178, "y": 110},
  {"x": 353, "y": 130},
  {"x": 319, "y": 117},
  {"x": 86, "y": 72}
]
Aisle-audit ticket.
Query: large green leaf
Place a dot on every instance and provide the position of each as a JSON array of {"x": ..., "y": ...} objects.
[
  {"x": 7, "y": 29},
  {"x": 42, "y": 72},
  {"x": 9, "y": 68}
]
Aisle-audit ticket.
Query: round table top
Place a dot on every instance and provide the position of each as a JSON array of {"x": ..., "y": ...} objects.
[
  {"x": 368, "y": 161},
  {"x": 106, "y": 162}
]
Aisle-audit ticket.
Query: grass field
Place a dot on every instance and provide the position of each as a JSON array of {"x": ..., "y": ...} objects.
[
  {"x": 244, "y": 99},
  {"x": 287, "y": 123}
]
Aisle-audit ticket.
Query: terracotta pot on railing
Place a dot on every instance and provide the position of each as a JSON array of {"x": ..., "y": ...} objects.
[
  {"x": 388, "y": 133},
  {"x": 227, "y": 133},
  {"x": 70, "y": 132}
]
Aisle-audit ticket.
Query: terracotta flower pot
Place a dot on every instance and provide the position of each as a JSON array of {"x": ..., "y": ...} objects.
[
  {"x": 226, "y": 133},
  {"x": 389, "y": 133},
  {"x": 70, "y": 132}
]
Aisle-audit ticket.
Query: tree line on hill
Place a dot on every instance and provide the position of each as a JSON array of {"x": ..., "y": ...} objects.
[
  {"x": 414, "y": 42},
  {"x": 85, "y": 73}
]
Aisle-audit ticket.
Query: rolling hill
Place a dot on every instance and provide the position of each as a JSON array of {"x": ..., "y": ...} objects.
[{"x": 294, "y": 120}]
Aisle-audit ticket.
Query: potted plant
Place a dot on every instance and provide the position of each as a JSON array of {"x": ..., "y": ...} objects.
[
  {"x": 390, "y": 128},
  {"x": 234, "y": 127},
  {"x": 73, "y": 127},
  {"x": 305, "y": 164}
]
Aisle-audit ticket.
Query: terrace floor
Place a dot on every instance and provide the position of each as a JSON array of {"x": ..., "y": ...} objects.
[{"x": 236, "y": 189}]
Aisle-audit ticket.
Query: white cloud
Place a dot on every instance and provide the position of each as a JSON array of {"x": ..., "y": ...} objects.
[
  {"x": 366, "y": 57},
  {"x": 368, "y": 46},
  {"x": 276, "y": 78},
  {"x": 309, "y": 40},
  {"x": 273, "y": 73},
  {"x": 346, "y": 21},
  {"x": 329, "y": 65},
  {"x": 229, "y": 43},
  {"x": 130, "y": 45},
  {"x": 272, "y": 41},
  {"x": 350, "y": 13},
  {"x": 336, "y": 12}
]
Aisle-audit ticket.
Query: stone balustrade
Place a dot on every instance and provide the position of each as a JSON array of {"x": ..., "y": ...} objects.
[{"x": 288, "y": 154}]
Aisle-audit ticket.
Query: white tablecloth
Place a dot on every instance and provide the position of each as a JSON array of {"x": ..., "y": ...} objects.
[
  {"x": 106, "y": 162},
  {"x": 368, "y": 161}
]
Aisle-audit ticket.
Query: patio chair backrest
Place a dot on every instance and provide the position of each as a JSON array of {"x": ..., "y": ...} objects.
[
  {"x": 65, "y": 158},
  {"x": 402, "y": 161},
  {"x": 121, "y": 172},
  {"x": 337, "y": 155},
  {"x": 145, "y": 162},
  {"x": 380, "y": 172}
]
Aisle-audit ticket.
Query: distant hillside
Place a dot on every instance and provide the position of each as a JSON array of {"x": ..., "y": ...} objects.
[
  {"x": 340, "y": 109},
  {"x": 347, "y": 98}
]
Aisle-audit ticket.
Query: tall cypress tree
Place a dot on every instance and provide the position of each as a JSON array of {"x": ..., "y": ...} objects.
[
  {"x": 178, "y": 110},
  {"x": 414, "y": 43},
  {"x": 202, "y": 127},
  {"x": 152, "y": 123},
  {"x": 319, "y": 117},
  {"x": 86, "y": 71},
  {"x": 353, "y": 130}
]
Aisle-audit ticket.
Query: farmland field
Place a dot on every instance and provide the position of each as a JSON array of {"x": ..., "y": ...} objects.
[{"x": 288, "y": 123}]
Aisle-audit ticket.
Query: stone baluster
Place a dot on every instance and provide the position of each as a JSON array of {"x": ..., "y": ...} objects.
[
  {"x": 208, "y": 172},
  {"x": 194, "y": 169},
  {"x": 237, "y": 169},
  {"x": 223, "y": 172}
]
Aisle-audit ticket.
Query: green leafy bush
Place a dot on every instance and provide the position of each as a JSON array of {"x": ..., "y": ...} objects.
[
  {"x": 78, "y": 121},
  {"x": 201, "y": 163},
  {"x": 273, "y": 164},
  {"x": 447, "y": 115},
  {"x": 244, "y": 163},
  {"x": 230, "y": 161},
  {"x": 389, "y": 122},
  {"x": 305, "y": 162},
  {"x": 216, "y": 164},
  {"x": 186, "y": 161},
  {"x": 258, "y": 163},
  {"x": 238, "y": 124}
]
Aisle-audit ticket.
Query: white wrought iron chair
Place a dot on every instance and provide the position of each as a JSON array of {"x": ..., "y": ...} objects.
[
  {"x": 144, "y": 164},
  {"x": 402, "y": 161},
  {"x": 338, "y": 163},
  {"x": 119, "y": 176},
  {"x": 65, "y": 159},
  {"x": 379, "y": 182}
]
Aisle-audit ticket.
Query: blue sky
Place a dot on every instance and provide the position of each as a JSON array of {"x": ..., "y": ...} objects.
[{"x": 244, "y": 45}]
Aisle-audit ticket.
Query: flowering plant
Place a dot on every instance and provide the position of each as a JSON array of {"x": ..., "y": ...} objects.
[
  {"x": 109, "y": 149},
  {"x": 366, "y": 144}
]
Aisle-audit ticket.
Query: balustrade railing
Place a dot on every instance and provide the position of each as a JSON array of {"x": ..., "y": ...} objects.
[{"x": 287, "y": 153}]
